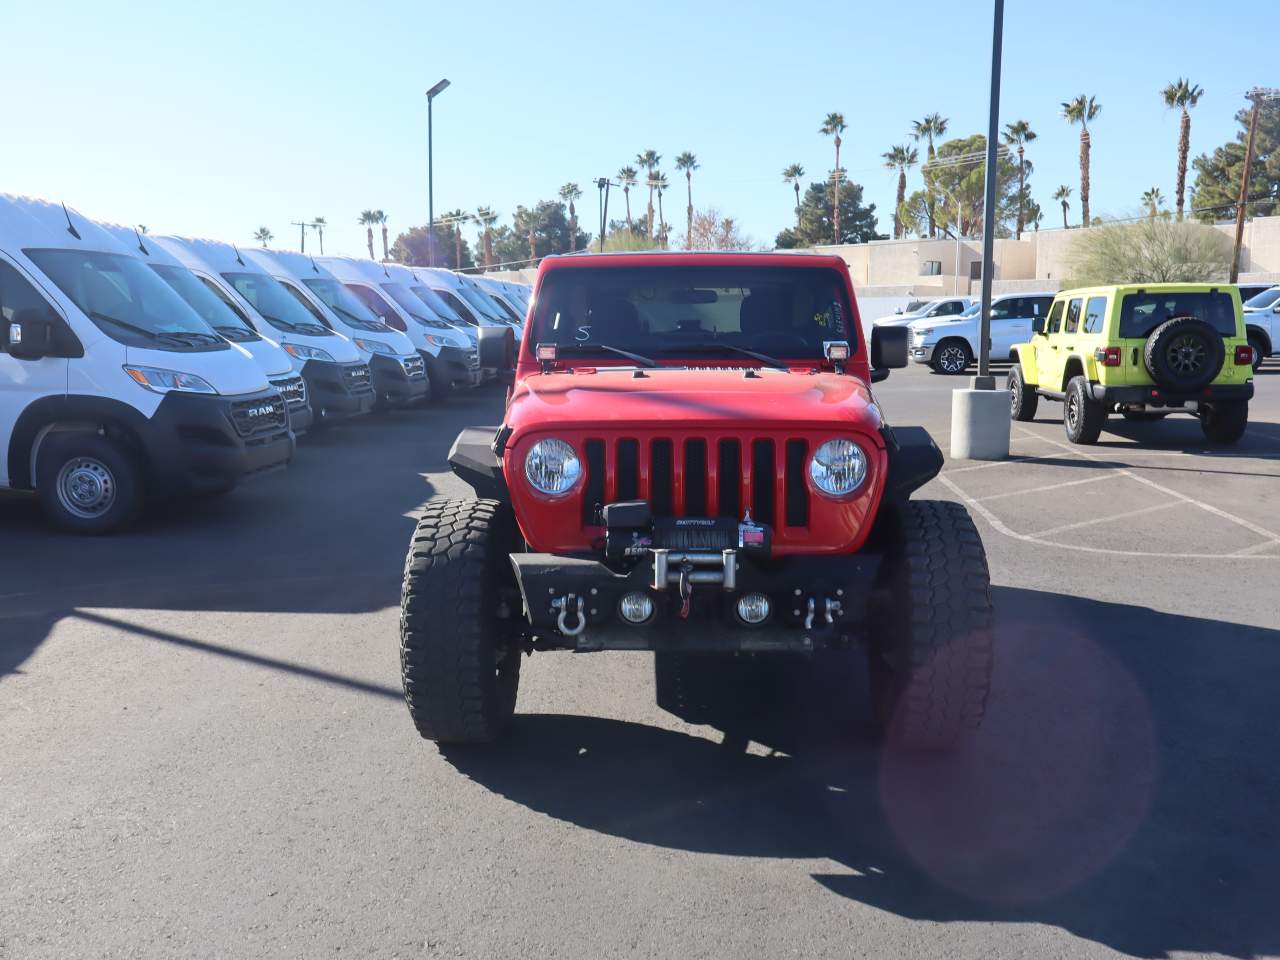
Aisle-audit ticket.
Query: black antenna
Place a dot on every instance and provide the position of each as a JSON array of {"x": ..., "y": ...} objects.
[
  {"x": 71, "y": 227},
  {"x": 313, "y": 265},
  {"x": 141, "y": 245},
  {"x": 385, "y": 272},
  {"x": 237, "y": 250}
]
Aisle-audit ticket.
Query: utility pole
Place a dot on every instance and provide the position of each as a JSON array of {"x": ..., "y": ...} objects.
[
  {"x": 431, "y": 209},
  {"x": 1256, "y": 95},
  {"x": 302, "y": 231}
]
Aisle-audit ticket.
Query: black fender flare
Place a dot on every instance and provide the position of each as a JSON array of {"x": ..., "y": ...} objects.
[
  {"x": 67, "y": 409},
  {"x": 914, "y": 460}
]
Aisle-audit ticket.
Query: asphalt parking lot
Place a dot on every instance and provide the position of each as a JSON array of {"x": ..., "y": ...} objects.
[{"x": 204, "y": 751}]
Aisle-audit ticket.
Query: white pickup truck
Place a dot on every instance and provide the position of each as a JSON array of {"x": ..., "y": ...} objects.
[
  {"x": 1262, "y": 321},
  {"x": 949, "y": 344}
]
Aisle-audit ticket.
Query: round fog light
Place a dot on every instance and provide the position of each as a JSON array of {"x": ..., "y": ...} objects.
[
  {"x": 636, "y": 607},
  {"x": 753, "y": 608}
]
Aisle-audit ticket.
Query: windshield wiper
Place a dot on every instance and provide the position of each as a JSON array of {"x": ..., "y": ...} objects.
[
  {"x": 764, "y": 358},
  {"x": 202, "y": 337},
  {"x": 638, "y": 359},
  {"x": 134, "y": 328}
]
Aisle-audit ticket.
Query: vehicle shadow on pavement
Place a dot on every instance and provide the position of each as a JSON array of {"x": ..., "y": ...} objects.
[{"x": 1123, "y": 788}]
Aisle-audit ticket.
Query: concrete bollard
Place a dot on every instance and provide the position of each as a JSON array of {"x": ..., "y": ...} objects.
[{"x": 979, "y": 424}]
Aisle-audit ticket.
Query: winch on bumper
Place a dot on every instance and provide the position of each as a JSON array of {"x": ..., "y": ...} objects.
[{"x": 692, "y": 583}]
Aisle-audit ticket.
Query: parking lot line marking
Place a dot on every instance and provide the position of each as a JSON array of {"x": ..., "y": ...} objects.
[
  {"x": 1107, "y": 475},
  {"x": 1257, "y": 548},
  {"x": 1107, "y": 519},
  {"x": 1207, "y": 507}
]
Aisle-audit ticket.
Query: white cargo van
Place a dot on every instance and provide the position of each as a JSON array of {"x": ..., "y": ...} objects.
[
  {"x": 499, "y": 294},
  {"x": 468, "y": 290},
  {"x": 398, "y": 372},
  {"x": 224, "y": 320},
  {"x": 448, "y": 353},
  {"x": 111, "y": 386},
  {"x": 338, "y": 381}
]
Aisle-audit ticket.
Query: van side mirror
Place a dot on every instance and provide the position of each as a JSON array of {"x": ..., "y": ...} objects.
[
  {"x": 1037, "y": 325},
  {"x": 888, "y": 348},
  {"x": 497, "y": 351},
  {"x": 32, "y": 335}
]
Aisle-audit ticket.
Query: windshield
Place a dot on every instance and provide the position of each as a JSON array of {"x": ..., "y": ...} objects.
[
  {"x": 126, "y": 301},
  {"x": 1141, "y": 313},
  {"x": 1263, "y": 300},
  {"x": 509, "y": 310},
  {"x": 341, "y": 301},
  {"x": 436, "y": 305},
  {"x": 657, "y": 311},
  {"x": 461, "y": 309},
  {"x": 406, "y": 301},
  {"x": 212, "y": 309},
  {"x": 276, "y": 304},
  {"x": 479, "y": 303}
]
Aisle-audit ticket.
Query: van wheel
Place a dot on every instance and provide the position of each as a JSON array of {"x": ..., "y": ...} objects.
[
  {"x": 1224, "y": 421},
  {"x": 951, "y": 357},
  {"x": 459, "y": 653},
  {"x": 931, "y": 662},
  {"x": 87, "y": 484},
  {"x": 1083, "y": 417},
  {"x": 1023, "y": 399}
]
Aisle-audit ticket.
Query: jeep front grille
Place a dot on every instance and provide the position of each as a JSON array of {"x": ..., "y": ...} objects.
[
  {"x": 712, "y": 476},
  {"x": 254, "y": 417}
]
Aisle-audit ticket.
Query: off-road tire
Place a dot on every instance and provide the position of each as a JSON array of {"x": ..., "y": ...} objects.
[
  {"x": 951, "y": 357},
  {"x": 1259, "y": 350},
  {"x": 1224, "y": 421},
  {"x": 1184, "y": 354},
  {"x": 1082, "y": 417},
  {"x": 458, "y": 663},
  {"x": 931, "y": 652},
  {"x": 105, "y": 462},
  {"x": 1023, "y": 399}
]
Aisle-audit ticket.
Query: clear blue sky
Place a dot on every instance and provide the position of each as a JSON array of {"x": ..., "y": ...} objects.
[{"x": 213, "y": 119}]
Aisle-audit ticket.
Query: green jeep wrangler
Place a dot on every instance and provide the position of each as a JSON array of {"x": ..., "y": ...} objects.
[{"x": 1145, "y": 351}]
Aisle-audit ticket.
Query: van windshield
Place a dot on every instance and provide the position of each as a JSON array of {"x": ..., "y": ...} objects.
[
  {"x": 435, "y": 304},
  {"x": 277, "y": 306},
  {"x": 704, "y": 310},
  {"x": 340, "y": 300},
  {"x": 406, "y": 301},
  {"x": 480, "y": 302},
  {"x": 458, "y": 307},
  {"x": 126, "y": 301},
  {"x": 213, "y": 310}
]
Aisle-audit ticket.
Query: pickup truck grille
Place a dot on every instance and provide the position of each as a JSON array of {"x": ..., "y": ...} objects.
[
  {"x": 255, "y": 417},
  {"x": 701, "y": 476},
  {"x": 294, "y": 391}
]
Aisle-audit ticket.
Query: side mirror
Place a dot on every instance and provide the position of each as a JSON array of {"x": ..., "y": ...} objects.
[
  {"x": 32, "y": 335},
  {"x": 1037, "y": 325},
  {"x": 889, "y": 347},
  {"x": 497, "y": 351}
]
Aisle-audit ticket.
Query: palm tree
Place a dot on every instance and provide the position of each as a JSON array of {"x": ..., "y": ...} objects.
[
  {"x": 833, "y": 126},
  {"x": 487, "y": 218},
  {"x": 659, "y": 183},
  {"x": 320, "y": 223},
  {"x": 649, "y": 160},
  {"x": 1081, "y": 110},
  {"x": 688, "y": 163},
  {"x": 381, "y": 219},
  {"x": 569, "y": 193},
  {"x": 793, "y": 175},
  {"x": 1019, "y": 134},
  {"x": 900, "y": 158},
  {"x": 367, "y": 219},
  {"x": 455, "y": 219},
  {"x": 263, "y": 235},
  {"x": 1152, "y": 199},
  {"x": 627, "y": 177},
  {"x": 933, "y": 127},
  {"x": 1034, "y": 214},
  {"x": 1063, "y": 196},
  {"x": 1183, "y": 94},
  {"x": 142, "y": 228}
]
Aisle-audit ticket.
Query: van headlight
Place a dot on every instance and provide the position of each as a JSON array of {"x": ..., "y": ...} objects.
[
  {"x": 304, "y": 352},
  {"x": 552, "y": 467},
  {"x": 168, "y": 381},
  {"x": 374, "y": 346},
  {"x": 838, "y": 468}
]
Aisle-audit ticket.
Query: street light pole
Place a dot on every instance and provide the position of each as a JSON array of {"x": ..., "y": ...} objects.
[
  {"x": 984, "y": 380},
  {"x": 431, "y": 208}
]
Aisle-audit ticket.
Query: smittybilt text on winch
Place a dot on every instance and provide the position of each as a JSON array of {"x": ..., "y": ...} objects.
[{"x": 692, "y": 462}]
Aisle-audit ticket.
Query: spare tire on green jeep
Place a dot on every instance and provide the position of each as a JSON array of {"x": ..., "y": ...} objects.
[{"x": 1184, "y": 354}]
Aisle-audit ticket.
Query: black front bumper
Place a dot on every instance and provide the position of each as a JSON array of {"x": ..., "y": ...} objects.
[
  {"x": 802, "y": 591},
  {"x": 456, "y": 366},
  {"x": 203, "y": 444},
  {"x": 392, "y": 384},
  {"x": 337, "y": 390},
  {"x": 1153, "y": 396}
]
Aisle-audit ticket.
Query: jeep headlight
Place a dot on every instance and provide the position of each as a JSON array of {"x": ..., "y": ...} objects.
[
  {"x": 304, "y": 352},
  {"x": 168, "y": 381},
  {"x": 374, "y": 346},
  {"x": 838, "y": 468},
  {"x": 552, "y": 467}
]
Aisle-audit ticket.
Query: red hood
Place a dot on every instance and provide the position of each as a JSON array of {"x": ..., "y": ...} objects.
[{"x": 706, "y": 398}]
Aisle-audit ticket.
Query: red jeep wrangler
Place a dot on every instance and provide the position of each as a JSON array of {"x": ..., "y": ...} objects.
[{"x": 692, "y": 462}]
